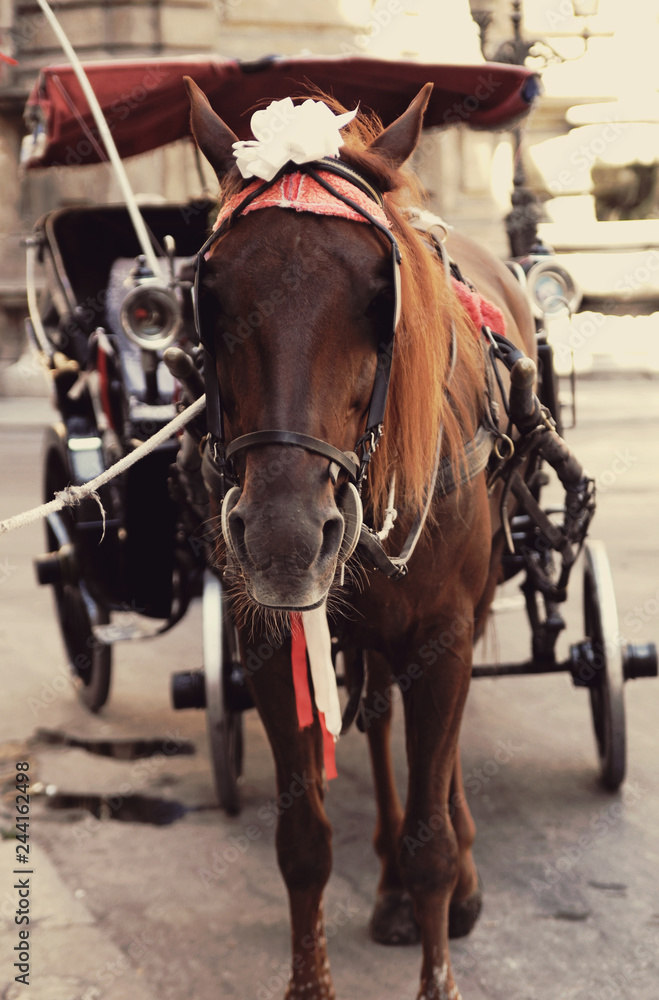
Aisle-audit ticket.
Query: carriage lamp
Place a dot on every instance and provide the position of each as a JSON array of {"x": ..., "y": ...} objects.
[
  {"x": 151, "y": 315},
  {"x": 551, "y": 289}
]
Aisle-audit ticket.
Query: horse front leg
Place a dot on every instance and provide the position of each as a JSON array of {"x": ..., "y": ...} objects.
[
  {"x": 392, "y": 921},
  {"x": 431, "y": 854},
  {"x": 303, "y": 837}
]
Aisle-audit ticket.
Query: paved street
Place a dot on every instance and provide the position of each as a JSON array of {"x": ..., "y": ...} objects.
[{"x": 196, "y": 907}]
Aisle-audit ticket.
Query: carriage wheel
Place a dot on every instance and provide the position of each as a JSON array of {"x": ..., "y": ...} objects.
[
  {"x": 77, "y": 611},
  {"x": 607, "y": 687},
  {"x": 224, "y": 726}
]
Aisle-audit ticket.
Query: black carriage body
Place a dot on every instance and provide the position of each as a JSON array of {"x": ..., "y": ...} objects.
[
  {"x": 79, "y": 247},
  {"x": 126, "y": 555}
]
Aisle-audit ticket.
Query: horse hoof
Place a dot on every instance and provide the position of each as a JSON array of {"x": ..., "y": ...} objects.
[
  {"x": 393, "y": 920},
  {"x": 463, "y": 914}
]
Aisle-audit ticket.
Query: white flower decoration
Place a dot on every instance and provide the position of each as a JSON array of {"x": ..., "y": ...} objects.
[{"x": 285, "y": 131}]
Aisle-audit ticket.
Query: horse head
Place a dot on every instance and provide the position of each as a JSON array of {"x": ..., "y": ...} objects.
[{"x": 296, "y": 305}]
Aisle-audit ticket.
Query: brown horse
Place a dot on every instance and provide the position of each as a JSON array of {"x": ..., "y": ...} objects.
[{"x": 296, "y": 305}]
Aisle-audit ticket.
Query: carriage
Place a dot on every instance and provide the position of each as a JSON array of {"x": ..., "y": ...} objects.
[{"x": 129, "y": 348}]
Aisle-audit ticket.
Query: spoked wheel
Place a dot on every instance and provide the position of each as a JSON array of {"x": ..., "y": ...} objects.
[
  {"x": 224, "y": 725},
  {"x": 89, "y": 659},
  {"x": 607, "y": 685}
]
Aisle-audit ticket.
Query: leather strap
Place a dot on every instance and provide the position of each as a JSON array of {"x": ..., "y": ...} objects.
[
  {"x": 370, "y": 548},
  {"x": 477, "y": 454},
  {"x": 333, "y": 166},
  {"x": 346, "y": 460}
]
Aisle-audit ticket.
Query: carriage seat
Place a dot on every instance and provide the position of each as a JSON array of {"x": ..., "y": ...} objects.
[{"x": 80, "y": 246}]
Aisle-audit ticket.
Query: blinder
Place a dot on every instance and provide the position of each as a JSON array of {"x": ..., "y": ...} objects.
[{"x": 217, "y": 466}]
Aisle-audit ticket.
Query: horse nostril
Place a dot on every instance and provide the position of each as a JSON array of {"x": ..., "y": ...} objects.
[
  {"x": 332, "y": 537},
  {"x": 253, "y": 552},
  {"x": 236, "y": 527}
]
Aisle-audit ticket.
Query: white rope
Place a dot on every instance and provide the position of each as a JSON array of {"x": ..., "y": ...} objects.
[
  {"x": 74, "y": 495},
  {"x": 390, "y": 512},
  {"x": 108, "y": 141}
]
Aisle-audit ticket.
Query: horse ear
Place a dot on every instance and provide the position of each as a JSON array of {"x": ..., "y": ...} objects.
[
  {"x": 398, "y": 141},
  {"x": 213, "y": 137}
]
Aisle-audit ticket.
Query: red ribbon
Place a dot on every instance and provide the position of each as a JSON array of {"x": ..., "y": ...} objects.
[
  {"x": 303, "y": 701},
  {"x": 102, "y": 365},
  {"x": 300, "y": 675}
]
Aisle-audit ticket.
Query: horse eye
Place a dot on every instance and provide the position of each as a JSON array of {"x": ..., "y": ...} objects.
[
  {"x": 380, "y": 306},
  {"x": 212, "y": 313},
  {"x": 209, "y": 296}
]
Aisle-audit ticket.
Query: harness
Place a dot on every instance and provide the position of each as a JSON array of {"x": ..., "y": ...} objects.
[
  {"x": 217, "y": 460},
  {"x": 538, "y": 440}
]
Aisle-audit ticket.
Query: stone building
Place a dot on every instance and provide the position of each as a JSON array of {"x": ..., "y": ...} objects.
[{"x": 457, "y": 167}]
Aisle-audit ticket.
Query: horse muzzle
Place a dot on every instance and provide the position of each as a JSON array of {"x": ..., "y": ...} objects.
[{"x": 288, "y": 553}]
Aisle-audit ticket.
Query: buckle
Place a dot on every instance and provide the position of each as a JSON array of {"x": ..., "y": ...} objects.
[
  {"x": 368, "y": 442},
  {"x": 214, "y": 471}
]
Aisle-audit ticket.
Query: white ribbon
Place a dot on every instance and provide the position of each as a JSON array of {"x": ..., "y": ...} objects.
[
  {"x": 286, "y": 132},
  {"x": 323, "y": 675}
]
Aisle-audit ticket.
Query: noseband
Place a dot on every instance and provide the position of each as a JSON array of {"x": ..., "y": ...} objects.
[{"x": 217, "y": 465}]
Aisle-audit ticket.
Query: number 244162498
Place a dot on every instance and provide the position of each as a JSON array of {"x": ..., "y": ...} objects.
[{"x": 22, "y": 812}]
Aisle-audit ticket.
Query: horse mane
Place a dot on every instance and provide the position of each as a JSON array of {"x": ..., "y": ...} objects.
[{"x": 419, "y": 405}]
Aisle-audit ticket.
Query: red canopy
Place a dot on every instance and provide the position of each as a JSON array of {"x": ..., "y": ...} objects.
[{"x": 146, "y": 105}]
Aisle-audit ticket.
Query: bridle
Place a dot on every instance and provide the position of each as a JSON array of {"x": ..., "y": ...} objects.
[{"x": 218, "y": 467}]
